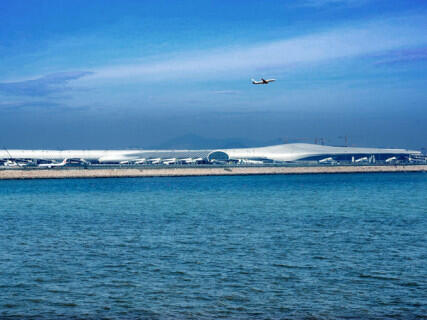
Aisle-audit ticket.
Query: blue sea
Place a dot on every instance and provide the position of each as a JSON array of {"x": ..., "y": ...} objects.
[{"x": 344, "y": 246}]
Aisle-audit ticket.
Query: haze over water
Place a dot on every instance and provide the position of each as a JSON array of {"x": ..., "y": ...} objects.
[{"x": 309, "y": 246}]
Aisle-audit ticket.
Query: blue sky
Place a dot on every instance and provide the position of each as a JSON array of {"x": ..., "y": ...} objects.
[{"x": 115, "y": 74}]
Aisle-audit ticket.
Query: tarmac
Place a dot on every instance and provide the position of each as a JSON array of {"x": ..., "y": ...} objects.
[{"x": 61, "y": 173}]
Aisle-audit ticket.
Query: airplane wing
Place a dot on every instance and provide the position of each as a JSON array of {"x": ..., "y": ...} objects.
[{"x": 263, "y": 81}]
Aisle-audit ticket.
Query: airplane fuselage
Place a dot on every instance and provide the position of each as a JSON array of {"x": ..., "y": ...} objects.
[{"x": 263, "y": 81}]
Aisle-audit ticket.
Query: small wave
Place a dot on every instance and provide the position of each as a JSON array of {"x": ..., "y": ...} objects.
[
  {"x": 378, "y": 277},
  {"x": 235, "y": 298},
  {"x": 20, "y": 286},
  {"x": 409, "y": 284},
  {"x": 320, "y": 258},
  {"x": 288, "y": 266},
  {"x": 57, "y": 291},
  {"x": 178, "y": 272},
  {"x": 112, "y": 266},
  {"x": 65, "y": 304}
]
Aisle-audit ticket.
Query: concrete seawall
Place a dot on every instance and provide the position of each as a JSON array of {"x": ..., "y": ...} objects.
[{"x": 181, "y": 172}]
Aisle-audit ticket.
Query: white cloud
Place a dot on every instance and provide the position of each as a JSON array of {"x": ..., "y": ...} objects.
[
  {"x": 341, "y": 43},
  {"x": 320, "y": 3},
  {"x": 42, "y": 86}
]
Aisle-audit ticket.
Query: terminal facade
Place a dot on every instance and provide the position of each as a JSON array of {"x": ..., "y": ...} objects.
[{"x": 284, "y": 153}]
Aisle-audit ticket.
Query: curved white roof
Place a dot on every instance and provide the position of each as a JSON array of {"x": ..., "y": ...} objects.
[
  {"x": 297, "y": 151},
  {"x": 283, "y": 152}
]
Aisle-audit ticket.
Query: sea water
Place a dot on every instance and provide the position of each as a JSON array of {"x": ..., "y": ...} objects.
[{"x": 237, "y": 247}]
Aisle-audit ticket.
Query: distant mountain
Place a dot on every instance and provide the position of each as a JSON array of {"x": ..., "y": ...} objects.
[{"x": 192, "y": 141}]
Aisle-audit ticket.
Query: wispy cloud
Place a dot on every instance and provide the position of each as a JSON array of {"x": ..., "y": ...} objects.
[
  {"x": 14, "y": 105},
  {"x": 342, "y": 43},
  {"x": 42, "y": 86},
  {"x": 227, "y": 92},
  {"x": 403, "y": 56},
  {"x": 321, "y": 3},
  {"x": 41, "y": 105}
]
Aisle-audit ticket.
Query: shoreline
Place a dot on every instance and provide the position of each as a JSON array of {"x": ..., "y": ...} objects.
[{"x": 17, "y": 174}]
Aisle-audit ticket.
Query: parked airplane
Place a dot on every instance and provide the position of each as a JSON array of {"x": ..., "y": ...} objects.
[
  {"x": 169, "y": 161},
  {"x": 53, "y": 164},
  {"x": 197, "y": 160},
  {"x": 329, "y": 160},
  {"x": 263, "y": 81},
  {"x": 14, "y": 163},
  {"x": 10, "y": 163},
  {"x": 363, "y": 159},
  {"x": 248, "y": 161},
  {"x": 140, "y": 161},
  {"x": 391, "y": 159},
  {"x": 191, "y": 160},
  {"x": 77, "y": 161},
  {"x": 154, "y": 160}
]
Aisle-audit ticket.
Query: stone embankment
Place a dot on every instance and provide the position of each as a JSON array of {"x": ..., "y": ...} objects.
[{"x": 181, "y": 172}]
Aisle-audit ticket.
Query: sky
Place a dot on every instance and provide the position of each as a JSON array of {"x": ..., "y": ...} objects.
[{"x": 176, "y": 74}]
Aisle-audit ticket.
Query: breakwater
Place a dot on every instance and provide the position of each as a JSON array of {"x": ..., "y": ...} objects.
[{"x": 180, "y": 172}]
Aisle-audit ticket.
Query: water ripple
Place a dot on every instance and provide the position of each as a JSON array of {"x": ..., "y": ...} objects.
[{"x": 264, "y": 247}]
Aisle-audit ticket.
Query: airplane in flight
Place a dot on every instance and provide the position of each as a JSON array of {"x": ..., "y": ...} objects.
[{"x": 263, "y": 81}]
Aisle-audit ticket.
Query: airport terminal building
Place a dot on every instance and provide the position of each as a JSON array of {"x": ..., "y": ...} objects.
[{"x": 284, "y": 153}]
